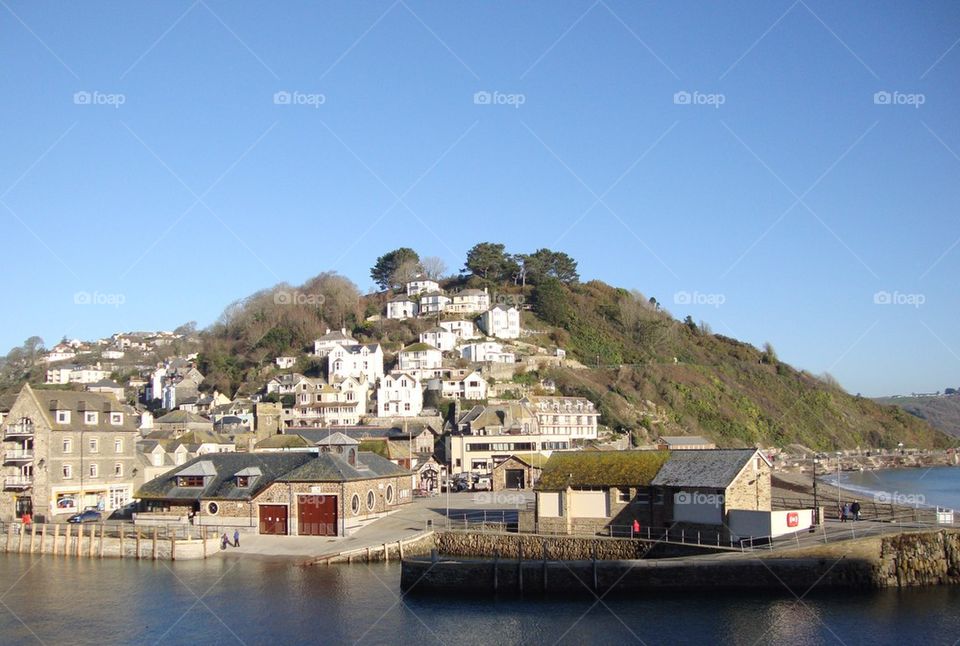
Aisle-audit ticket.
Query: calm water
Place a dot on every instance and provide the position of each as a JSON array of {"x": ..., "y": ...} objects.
[
  {"x": 70, "y": 601},
  {"x": 937, "y": 486}
]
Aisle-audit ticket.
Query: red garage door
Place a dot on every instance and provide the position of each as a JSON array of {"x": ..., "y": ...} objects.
[
  {"x": 317, "y": 515},
  {"x": 273, "y": 519}
]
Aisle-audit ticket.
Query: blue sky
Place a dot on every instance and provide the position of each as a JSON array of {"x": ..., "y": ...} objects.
[{"x": 775, "y": 197}]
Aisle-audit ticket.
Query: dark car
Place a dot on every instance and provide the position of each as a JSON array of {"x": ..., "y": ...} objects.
[{"x": 87, "y": 516}]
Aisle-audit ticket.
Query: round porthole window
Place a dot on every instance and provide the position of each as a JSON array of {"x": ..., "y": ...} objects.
[
  {"x": 355, "y": 503},
  {"x": 213, "y": 508},
  {"x": 371, "y": 499},
  {"x": 390, "y": 493}
]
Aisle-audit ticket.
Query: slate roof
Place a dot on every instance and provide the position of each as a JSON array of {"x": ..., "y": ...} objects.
[
  {"x": 709, "y": 468},
  {"x": 282, "y": 442},
  {"x": 684, "y": 440},
  {"x": 327, "y": 467},
  {"x": 321, "y": 435},
  {"x": 73, "y": 400},
  {"x": 181, "y": 417},
  {"x": 223, "y": 485}
]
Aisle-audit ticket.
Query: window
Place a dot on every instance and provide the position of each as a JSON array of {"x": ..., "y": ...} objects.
[
  {"x": 243, "y": 481},
  {"x": 371, "y": 500},
  {"x": 623, "y": 495},
  {"x": 190, "y": 481},
  {"x": 90, "y": 417},
  {"x": 118, "y": 469},
  {"x": 67, "y": 445},
  {"x": 406, "y": 407},
  {"x": 116, "y": 419},
  {"x": 212, "y": 508},
  {"x": 118, "y": 445},
  {"x": 67, "y": 472},
  {"x": 355, "y": 504},
  {"x": 94, "y": 445},
  {"x": 63, "y": 417},
  {"x": 389, "y": 493},
  {"x": 94, "y": 472}
]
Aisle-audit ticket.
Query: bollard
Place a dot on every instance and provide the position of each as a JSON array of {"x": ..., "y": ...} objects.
[
  {"x": 386, "y": 554},
  {"x": 400, "y": 549},
  {"x": 43, "y": 536},
  {"x": 56, "y": 538},
  {"x": 137, "y": 546},
  {"x": 103, "y": 536},
  {"x": 121, "y": 541},
  {"x": 93, "y": 534},
  {"x": 173, "y": 547},
  {"x": 79, "y": 539},
  {"x": 33, "y": 534},
  {"x": 155, "y": 546}
]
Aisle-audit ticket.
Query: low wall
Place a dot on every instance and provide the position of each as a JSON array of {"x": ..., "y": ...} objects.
[
  {"x": 902, "y": 560},
  {"x": 418, "y": 545},
  {"x": 95, "y": 541},
  {"x": 531, "y": 546}
]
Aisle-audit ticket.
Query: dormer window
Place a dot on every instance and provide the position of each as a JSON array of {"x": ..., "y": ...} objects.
[
  {"x": 90, "y": 417},
  {"x": 243, "y": 481},
  {"x": 189, "y": 481},
  {"x": 63, "y": 417},
  {"x": 116, "y": 419}
]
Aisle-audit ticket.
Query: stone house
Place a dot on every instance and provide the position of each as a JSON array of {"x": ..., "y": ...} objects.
[
  {"x": 519, "y": 472},
  {"x": 181, "y": 421},
  {"x": 683, "y": 442},
  {"x": 64, "y": 451},
  {"x": 332, "y": 492},
  {"x": 592, "y": 491}
]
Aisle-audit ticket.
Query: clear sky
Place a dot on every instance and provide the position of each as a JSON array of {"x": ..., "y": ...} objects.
[{"x": 149, "y": 162}]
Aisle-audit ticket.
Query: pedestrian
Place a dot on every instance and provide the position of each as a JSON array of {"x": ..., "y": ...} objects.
[
  {"x": 847, "y": 511},
  {"x": 840, "y": 513},
  {"x": 26, "y": 519},
  {"x": 236, "y": 538},
  {"x": 855, "y": 509},
  {"x": 224, "y": 541}
]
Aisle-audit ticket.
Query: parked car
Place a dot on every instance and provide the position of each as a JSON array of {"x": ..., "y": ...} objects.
[{"x": 86, "y": 516}]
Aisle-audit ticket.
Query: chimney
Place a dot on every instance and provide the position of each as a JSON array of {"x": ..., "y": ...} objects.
[
  {"x": 81, "y": 406},
  {"x": 343, "y": 331}
]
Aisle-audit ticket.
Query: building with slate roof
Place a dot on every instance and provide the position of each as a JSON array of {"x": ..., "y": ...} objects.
[
  {"x": 66, "y": 450},
  {"x": 683, "y": 442},
  {"x": 591, "y": 491},
  {"x": 328, "y": 493}
]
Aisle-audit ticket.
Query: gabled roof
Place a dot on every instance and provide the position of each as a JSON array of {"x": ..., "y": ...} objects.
[
  {"x": 76, "y": 400},
  {"x": 181, "y": 417},
  {"x": 601, "y": 468},
  {"x": 198, "y": 468},
  {"x": 282, "y": 442},
  {"x": 708, "y": 468},
  {"x": 419, "y": 347}
]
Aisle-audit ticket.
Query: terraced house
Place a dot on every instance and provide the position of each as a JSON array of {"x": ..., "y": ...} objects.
[{"x": 67, "y": 450}]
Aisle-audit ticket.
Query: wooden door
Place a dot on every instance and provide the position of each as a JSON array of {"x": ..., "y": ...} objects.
[
  {"x": 317, "y": 515},
  {"x": 273, "y": 519}
]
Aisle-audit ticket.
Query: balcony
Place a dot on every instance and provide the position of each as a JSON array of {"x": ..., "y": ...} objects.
[
  {"x": 17, "y": 455},
  {"x": 18, "y": 430},
  {"x": 17, "y": 482}
]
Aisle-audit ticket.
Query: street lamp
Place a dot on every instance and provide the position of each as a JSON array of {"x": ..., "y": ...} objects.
[
  {"x": 839, "y": 502},
  {"x": 816, "y": 502}
]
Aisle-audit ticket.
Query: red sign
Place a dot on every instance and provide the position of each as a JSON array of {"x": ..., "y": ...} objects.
[{"x": 793, "y": 519}]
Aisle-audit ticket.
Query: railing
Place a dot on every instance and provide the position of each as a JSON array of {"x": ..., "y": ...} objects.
[
  {"x": 869, "y": 509},
  {"x": 17, "y": 482},
  {"x": 19, "y": 430},
  {"x": 18, "y": 454}
]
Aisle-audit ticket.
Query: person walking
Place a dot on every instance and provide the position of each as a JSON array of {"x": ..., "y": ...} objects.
[
  {"x": 236, "y": 538},
  {"x": 840, "y": 513},
  {"x": 224, "y": 541},
  {"x": 855, "y": 509}
]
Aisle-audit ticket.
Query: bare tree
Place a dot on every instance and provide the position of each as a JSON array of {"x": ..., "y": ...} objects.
[{"x": 433, "y": 267}]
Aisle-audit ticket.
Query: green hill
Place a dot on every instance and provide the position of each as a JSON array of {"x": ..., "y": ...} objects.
[{"x": 942, "y": 412}]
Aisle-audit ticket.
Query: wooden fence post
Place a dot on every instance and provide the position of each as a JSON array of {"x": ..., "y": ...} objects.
[
  {"x": 43, "y": 536},
  {"x": 20, "y": 540},
  {"x": 121, "y": 541},
  {"x": 79, "y": 538},
  {"x": 173, "y": 546},
  {"x": 155, "y": 547},
  {"x": 93, "y": 535},
  {"x": 6, "y": 548},
  {"x": 56, "y": 538},
  {"x": 103, "y": 535},
  {"x": 33, "y": 534},
  {"x": 138, "y": 545}
]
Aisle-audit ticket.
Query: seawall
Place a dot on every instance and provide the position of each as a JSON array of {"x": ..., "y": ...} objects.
[
  {"x": 912, "y": 559},
  {"x": 102, "y": 541}
]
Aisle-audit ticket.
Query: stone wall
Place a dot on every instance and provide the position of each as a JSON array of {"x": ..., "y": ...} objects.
[
  {"x": 741, "y": 494},
  {"x": 919, "y": 559},
  {"x": 535, "y": 547}
]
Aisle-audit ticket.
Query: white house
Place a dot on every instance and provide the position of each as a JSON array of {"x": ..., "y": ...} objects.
[
  {"x": 460, "y": 329},
  {"x": 501, "y": 322},
  {"x": 575, "y": 417},
  {"x": 316, "y": 404},
  {"x": 285, "y": 363},
  {"x": 402, "y": 307},
  {"x": 460, "y": 384},
  {"x": 326, "y": 343},
  {"x": 421, "y": 286},
  {"x": 468, "y": 301},
  {"x": 362, "y": 362},
  {"x": 419, "y": 356},
  {"x": 438, "y": 337},
  {"x": 487, "y": 351},
  {"x": 400, "y": 395},
  {"x": 285, "y": 384},
  {"x": 112, "y": 354},
  {"x": 433, "y": 302}
]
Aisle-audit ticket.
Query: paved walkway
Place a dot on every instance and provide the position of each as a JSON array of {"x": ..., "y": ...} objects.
[{"x": 403, "y": 524}]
